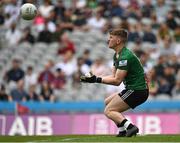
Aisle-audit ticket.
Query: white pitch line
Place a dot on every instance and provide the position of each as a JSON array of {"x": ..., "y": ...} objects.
[{"x": 70, "y": 139}]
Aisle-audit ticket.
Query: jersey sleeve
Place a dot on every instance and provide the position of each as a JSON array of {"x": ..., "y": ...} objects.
[{"x": 123, "y": 64}]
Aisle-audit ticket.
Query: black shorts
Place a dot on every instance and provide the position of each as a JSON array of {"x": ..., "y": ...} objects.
[{"x": 134, "y": 97}]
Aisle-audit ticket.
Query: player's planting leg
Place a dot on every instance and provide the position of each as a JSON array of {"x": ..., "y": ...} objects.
[
  {"x": 122, "y": 130},
  {"x": 113, "y": 111}
]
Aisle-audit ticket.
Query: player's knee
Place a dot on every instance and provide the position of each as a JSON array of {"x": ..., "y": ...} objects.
[
  {"x": 107, "y": 112},
  {"x": 106, "y": 101}
]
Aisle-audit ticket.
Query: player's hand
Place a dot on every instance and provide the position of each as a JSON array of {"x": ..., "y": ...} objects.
[{"x": 90, "y": 78}]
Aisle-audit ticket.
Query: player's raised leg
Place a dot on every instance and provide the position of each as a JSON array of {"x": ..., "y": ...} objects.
[{"x": 109, "y": 98}]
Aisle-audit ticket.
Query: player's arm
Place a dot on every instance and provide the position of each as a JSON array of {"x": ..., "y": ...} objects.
[
  {"x": 116, "y": 79},
  {"x": 112, "y": 80}
]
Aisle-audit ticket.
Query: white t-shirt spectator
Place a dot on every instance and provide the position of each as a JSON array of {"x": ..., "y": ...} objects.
[
  {"x": 67, "y": 67},
  {"x": 30, "y": 80},
  {"x": 45, "y": 10},
  {"x": 96, "y": 24},
  {"x": 13, "y": 37}
]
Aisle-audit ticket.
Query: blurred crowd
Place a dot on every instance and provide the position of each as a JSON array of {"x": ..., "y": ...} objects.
[{"x": 154, "y": 35}]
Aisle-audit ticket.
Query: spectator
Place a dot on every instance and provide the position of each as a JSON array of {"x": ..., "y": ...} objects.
[
  {"x": 153, "y": 83},
  {"x": 166, "y": 46},
  {"x": 56, "y": 36},
  {"x": 163, "y": 32},
  {"x": 81, "y": 66},
  {"x": 51, "y": 26},
  {"x": 171, "y": 22},
  {"x": 39, "y": 22},
  {"x": 66, "y": 44},
  {"x": 46, "y": 8},
  {"x": 45, "y": 35},
  {"x": 161, "y": 9},
  {"x": 11, "y": 10},
  {"x": 116, "y": 10},
  {"x": 86, "y": 57},
  {"x": 164, "y": 86},
  {"x": 96, "y": 22},
  {"x": 81, "y": 69},
  {"x": 159, "y": 67},
  {"x": 46, "y": 74},
  {"x": 169, "y": 75},
  {"x": 15, "y": 73},
  {"x": 59, "y": 9},
  {"x": 13, "y": 35},
  {"x": 148, "y": 35},
  {"x": 27, "y": 37},
  {"x": 67, "y": 20},
  {"x": 59, "y": 79},
  {"x": 3, "y": 94},
  {"x": 19, "y": 94},
  {"x": 99, "y": 68},
  {"x": 32, "y": 95},
  {"x": 134, "y": 35},
  {"x": 147, "y": 9},
  {"x": 67, "y": 64},
  {"x": 173, "y": 61},
  {"x": 46, "y": 92},
  {"x": 144, "y": 57},
  {"x": 30, "y": 77}
]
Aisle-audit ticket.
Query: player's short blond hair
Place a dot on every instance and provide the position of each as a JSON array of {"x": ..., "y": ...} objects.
[{"x": 122, "y": 33}]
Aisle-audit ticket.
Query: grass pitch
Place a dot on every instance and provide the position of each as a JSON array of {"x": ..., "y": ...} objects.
[{"x": 91, "y": 138}]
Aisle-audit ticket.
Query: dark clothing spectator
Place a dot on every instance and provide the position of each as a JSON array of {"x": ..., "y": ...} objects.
[
  {"x": 171, "y": 23},
  {"x": 88, "y": 62},
  {"x": 18, "y": 95},
  {"x": 2, "y": 19},
  {"x": 46, "y": 92},
  {"x": 164, "y": 86},
  {"x": 3, "y": 97},
  {"x": 147, "y": 10},
  {"x": 133, "y": 36},
  {"x": 14, "y": 75},
  {"x": 149, "y": 37},
  {"x": 3, "y": 94},
  {"x": 159, "y": 70},
  {"x": 45, "y": 36},
  {"x": 117, "y": 11},
  {"x": 32, "y": 95},
  {"x": 59, "y": 9}
]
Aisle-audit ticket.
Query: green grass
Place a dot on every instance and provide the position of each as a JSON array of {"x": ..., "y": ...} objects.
[{"x": 91, "y": 138}]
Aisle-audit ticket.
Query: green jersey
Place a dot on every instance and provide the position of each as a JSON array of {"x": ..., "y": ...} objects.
[{"x": 135, "y": 78}]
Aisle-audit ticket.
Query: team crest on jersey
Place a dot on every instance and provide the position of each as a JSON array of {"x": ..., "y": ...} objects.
[{"x": 123, "y": 63}]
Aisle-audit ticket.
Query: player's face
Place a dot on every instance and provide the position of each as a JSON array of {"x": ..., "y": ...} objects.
[{"x": 113, "y": 41}]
